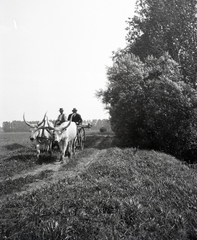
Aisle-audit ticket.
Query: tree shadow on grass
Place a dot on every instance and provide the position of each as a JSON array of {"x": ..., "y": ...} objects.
[{"x": 100, "y": 141}]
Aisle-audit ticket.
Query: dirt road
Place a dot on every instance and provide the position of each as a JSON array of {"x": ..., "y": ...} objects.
[{"x": 53, "y": 172}]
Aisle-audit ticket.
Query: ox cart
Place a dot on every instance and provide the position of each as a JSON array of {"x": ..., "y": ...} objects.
[
  {"x": 65, "y": 136},
  {"x": 77, "y": 143}
]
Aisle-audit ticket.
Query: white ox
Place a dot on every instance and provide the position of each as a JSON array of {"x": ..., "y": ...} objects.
[
  {"x": 65, "y": 134},
  {"x": 43, "y": 137}
]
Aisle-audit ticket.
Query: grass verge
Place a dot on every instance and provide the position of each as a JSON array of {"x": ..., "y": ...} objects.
[{"x": 147, "y": 195}]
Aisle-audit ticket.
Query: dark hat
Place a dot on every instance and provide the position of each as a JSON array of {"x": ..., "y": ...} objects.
[
  {"x": 61, "y": 109},
  {"x": 74, "y": 110}
]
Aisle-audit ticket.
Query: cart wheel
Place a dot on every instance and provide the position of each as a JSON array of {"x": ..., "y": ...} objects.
[
  {"x": 74, "y": 146},
  {"x": 82, "y": 138}
]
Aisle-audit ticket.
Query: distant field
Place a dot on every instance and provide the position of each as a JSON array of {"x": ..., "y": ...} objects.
[{"x": 104, "y": 193}]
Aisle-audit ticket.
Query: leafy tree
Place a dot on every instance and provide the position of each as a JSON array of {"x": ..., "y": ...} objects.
[
  {"x": 6, "y": 127},
  {"x": 166, "y": 26},
  {"x": 149, "y": 105}
]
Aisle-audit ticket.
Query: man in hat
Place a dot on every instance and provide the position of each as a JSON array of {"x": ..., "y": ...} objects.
[
  {"x": 76, "y": 117},
  {"x": 61, "y": 118}
]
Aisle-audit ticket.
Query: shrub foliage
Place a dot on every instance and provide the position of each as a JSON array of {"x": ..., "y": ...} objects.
[
  {"x": 151, "y": 93},
  {"x": 150, "y": 106},
  {"x": 103, "y": 129}
]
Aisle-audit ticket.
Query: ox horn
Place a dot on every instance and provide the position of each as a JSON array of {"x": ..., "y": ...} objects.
[
  {"x": 50, "y": 125},
  {"x": 40, "y": 123},
  {"x": 28, "y": 124},
  {"x": 64, "y": 128}
]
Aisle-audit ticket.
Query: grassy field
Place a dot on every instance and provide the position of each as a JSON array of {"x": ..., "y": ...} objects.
[{"x": 104, "y": 193}]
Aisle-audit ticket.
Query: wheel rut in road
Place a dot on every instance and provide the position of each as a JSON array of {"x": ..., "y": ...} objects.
[
  {"x": 54, "y": 172},
  {"x": 58, "y": 172}
]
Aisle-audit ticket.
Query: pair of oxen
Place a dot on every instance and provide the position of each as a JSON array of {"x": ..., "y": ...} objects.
[{"x": 45, "y": 134}]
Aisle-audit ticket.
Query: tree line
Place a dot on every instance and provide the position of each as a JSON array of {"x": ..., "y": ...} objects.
[
  {"x": 20, "y": 126},
  {"x": 151, "y": 91}
]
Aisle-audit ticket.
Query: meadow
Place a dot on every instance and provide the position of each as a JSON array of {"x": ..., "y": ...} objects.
[{"x": 104, "y": 193}]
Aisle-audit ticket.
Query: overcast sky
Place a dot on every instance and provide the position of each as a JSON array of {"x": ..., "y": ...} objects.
[{"x": 54, "y": 53}]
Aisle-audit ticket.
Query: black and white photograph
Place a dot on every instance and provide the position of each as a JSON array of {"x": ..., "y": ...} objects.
[{"x": 98, "y": 120}]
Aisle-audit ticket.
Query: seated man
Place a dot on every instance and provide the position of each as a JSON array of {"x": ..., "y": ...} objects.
[
  {"x": 61, "y": 118},
  {"x": 76, "y": 117}
]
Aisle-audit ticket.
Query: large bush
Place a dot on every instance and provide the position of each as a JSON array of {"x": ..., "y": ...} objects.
[
  {"x": 150, "y": 106},
  {"x": 103, "y": 129}
]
